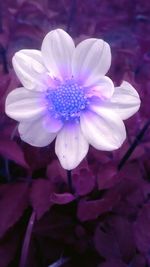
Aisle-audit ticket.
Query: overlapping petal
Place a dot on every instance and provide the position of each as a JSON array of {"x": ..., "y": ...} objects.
[
  {"x": 125, "y": 100},
  {"x": 57, "y": 49},
  {"x": 91, "y": 59},
  {"x": 35, "y": 134},
  {"x": 71, "y": 146},
  {"x": 102, "y": 128},
  {"x": 22, "y": 104},
  {"x": 29, "y": 67},
  {"x": 104, "y": 89}
]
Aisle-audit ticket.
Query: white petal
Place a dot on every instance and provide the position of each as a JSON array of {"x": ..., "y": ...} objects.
[
  {"x": 33, "y": 133},
  {"x": 71, "y": 146},
  {"x": 57, "y": 49},
  {"x": 104, "y": 89},
  {"x": 91, "y": 59},
  {"x": 105, "y": 130},
  {"x": 22, "y": 104},
  {"x": 51, "y": 124},
  {"x": 29, "y": 67},
  {"x": 125, "y": 100}
]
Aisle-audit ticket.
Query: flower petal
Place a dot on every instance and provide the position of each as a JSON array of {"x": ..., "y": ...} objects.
[
  {"x": 33, "y": 133},
  {"x": 71, "y": 146},
  {"x": 125, "y": 100},
  {"x": 91, "y": 59},
  {"x": 29, "y": 67},
  {"x": 52, "y": 124},
  {"x": 104, "y": 89},
  {"x": 104, "y": 129},
  {"x": 22, "y": 104},
  {"x": 57, "y": 49}
]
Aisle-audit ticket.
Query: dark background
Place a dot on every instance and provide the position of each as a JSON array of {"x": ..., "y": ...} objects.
[{"x": 107, "y": 222}]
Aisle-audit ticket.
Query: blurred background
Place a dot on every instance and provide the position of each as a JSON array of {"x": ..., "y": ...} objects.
[{"x": 108, "y": 223}]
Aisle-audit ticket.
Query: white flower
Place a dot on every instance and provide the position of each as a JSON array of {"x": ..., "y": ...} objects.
[{"x": 66, "y": 95}]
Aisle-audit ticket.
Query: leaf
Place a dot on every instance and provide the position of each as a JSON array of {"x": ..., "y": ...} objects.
[
  {"x": 40, "y": 196},
  {"x": 106, "y": 243},
  {"x": 114, "y": 239},
  {"x": 36, "y": 157},
  {"x": 8, "y": 248},
  {"x": 12, "y": 151},
  {"x": 62, "y": 198},
  {"x": 96, "y": 159},
  {"x": 123, "y": 232},
  {"x": 113, "y": 263},
  {"x": 56, "y": 174},
  {"x": 107, "y": 176},
  {"x": 83, "y": 180},
  {"x": 142, "y": 229},
  {"x": 14, "y": 200},
  {"x": 90, "y": 210},
  {"x": 138, "y": 261}
]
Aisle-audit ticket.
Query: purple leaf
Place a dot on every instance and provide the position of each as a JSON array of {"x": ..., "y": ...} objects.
[
  {"x": 114, "y": 239},
  {"x": 138, "y": 261},
  {"x": 8, "y": 248},
  {"x": 14, "y": 200},
  {"x": 142, "y": 230},
  {"x": 107, "y": 176},
  {"x": 12, "y": 151},
  {"x": 36, "y": 157},
  {"x": 106, "y": 244},
  {"x": 90, "y": 210},
  {"x": 123, "y": 231},
  {"x": 61, "y": 199},
  {"x": 40, "y": 196},
  {"x": 83, "y": 180},
  {"x": 56, "y": 174},
  {"x": 113, "y": 263}
]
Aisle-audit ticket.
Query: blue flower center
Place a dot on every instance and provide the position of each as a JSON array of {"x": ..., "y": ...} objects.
[{"x": 67, "y": 100}]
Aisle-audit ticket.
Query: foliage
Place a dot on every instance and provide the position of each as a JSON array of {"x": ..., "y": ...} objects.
[{"x": 106, "y": 222}]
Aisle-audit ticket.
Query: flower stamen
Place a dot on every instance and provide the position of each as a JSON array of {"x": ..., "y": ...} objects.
[{"x": 67, "y": 100}]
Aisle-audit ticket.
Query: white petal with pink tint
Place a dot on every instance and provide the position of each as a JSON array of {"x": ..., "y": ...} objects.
[
  {"x": 103, "y": 129},
  {"x": 22, "y": 104},
  {"x": 29, "y": 67},
  {"x": 33, "y": 133},
  {"x": 125, "y": 100},
  {"x": 91, "y": 60},
  {"x": 52, "y": 124},
  {"x": 104, "y": 89},
  {"x": 57, "y": 49},
  {"x": 71, "y": 146}
]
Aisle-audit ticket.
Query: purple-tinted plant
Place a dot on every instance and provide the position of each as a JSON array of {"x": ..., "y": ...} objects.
[{"x": 97, "y": 212}]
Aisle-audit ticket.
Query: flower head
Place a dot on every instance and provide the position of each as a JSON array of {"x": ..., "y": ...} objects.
[{"x": 66, "y": 95}]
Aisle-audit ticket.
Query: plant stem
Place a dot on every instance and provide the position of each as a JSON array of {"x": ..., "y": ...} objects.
[
  {"x": 69, "y": 178},
  {"x": 26, "y": 243},
  {"x": 8, "y": 175},
  {"x": 133, "y": 145}
]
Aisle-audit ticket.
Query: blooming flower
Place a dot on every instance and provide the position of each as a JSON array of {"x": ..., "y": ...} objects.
[{"x": 66, "y": 95}]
